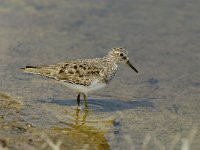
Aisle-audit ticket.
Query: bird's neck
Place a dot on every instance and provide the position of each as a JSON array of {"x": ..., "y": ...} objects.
[
  {"x": 111, "y": 59},
  {"x": 111, "y": 67},
  {"x": 110, "y": 62}
]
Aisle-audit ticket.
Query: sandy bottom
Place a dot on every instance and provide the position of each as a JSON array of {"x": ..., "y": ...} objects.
[{"x": 155, "y": 109}]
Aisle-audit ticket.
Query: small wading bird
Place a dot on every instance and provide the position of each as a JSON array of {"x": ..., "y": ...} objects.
[{"x": 84, "y": 75}]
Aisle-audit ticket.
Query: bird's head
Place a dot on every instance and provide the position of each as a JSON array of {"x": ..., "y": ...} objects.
[{"x": 120, "y": 55}]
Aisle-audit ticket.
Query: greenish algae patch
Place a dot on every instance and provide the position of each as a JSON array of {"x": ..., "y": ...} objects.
[
  {"x": 16, "y": 133},
  {"x": 64, "y": 138},
  {"x": 8, "y": 102}
]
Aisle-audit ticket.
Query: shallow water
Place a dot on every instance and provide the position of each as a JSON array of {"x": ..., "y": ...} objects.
[{"x": 153, "y": 109}]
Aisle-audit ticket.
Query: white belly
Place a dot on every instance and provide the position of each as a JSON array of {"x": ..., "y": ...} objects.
[{"x": 85, "y": 89}]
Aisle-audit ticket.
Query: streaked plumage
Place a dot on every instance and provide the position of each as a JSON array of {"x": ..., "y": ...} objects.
[{"x": 84, "y": 75}]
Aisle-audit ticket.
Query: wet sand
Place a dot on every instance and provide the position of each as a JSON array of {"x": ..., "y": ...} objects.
[{"x": 155, "y": 109}]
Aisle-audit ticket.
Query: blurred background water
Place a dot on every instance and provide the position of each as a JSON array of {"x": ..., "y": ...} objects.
[{"x": 162, "y": 38}]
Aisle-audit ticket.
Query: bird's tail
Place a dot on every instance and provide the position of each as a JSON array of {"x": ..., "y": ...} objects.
[{"x": 31, "y": 69}]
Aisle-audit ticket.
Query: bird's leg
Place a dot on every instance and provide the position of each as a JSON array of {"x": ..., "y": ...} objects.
[
  {"x": 85, "y": 102},
  {"x": 78, "y": 99}
]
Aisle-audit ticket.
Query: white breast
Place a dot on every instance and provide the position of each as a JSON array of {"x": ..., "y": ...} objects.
[{"x": 84, "y": 89}]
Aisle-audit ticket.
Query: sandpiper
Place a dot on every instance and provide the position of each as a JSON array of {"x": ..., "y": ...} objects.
[{"x": 84, "y": 75}]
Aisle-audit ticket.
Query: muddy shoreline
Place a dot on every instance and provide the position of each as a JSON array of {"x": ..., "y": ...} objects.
[{"x": 155, "y": 109}]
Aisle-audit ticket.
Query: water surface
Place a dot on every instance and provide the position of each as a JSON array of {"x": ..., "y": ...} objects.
[{"x": 159, "y": 106}]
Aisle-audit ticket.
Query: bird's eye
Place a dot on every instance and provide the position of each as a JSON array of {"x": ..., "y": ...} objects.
[{"x": 121, "y": 54}]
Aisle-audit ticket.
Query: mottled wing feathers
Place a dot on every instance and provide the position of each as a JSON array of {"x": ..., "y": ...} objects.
[
  {"x": 82, "y": 72},
  {"x": 78, "y": 72}
]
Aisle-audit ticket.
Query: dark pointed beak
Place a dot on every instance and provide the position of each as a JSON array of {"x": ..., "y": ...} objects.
[{"x": 130, "y": 65}]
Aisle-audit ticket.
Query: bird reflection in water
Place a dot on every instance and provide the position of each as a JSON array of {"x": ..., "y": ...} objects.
[
  {"x": 83, "y": 121},
  {"x": 81, "y": 134}
]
